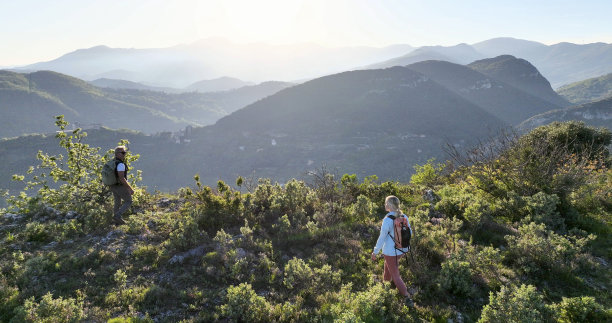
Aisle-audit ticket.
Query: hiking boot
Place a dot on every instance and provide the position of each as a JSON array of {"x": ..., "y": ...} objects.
[
  {"x": 408, "y": 301},
  {"x": 118, "y": 220}
]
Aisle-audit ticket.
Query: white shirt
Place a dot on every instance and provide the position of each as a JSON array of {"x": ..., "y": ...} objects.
[
  {"x": 121, "y": 167},
  {"x": 385, "y": 239}
]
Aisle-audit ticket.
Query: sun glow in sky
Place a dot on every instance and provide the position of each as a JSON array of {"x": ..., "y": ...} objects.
[{"x": 39, "y": 30}]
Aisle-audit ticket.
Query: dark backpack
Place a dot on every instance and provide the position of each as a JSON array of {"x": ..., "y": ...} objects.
[{"x": 401, "y": 231}]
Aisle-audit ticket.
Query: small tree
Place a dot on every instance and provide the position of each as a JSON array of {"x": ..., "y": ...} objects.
[{"x": 68, "y": 184}]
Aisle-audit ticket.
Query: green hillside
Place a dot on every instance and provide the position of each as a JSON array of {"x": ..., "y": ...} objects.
[
  {"x": 522, "y": 236},
  {"x": 596, "y": 114},
  {"x": 30, "y": 101},
  {"x": 504, "y": 100},
  {"x": 521, "y": 74},
  {"x": 586, "y": 91}
]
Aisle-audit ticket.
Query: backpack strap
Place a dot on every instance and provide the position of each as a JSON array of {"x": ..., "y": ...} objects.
[{"x": 117, "y": 162}]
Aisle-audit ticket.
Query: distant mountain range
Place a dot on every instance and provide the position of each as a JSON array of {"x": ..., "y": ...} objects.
[
  {"x": 593, "y": 89},
  {"x": 561, "y": 63},
  {"x": 182, "y": 65},
  {"x": 28, "y": 103}
]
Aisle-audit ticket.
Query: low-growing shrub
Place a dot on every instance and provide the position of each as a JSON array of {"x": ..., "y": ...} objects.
[
  {"x": 51, "y": 310},
  {"x": 582, "y": 309},
  {"x": 456, "y": 277},
  {"x": 511, "y": 304},
  {"x": 244, "y": 305}
]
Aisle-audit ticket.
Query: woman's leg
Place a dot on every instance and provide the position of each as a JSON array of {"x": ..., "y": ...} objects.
[
  {"x": 386, "y": 273},
  {"x": 391, "y": 266}
]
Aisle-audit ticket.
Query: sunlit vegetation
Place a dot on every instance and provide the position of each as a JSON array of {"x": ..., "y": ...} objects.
[{"x": 519, "y": 235}]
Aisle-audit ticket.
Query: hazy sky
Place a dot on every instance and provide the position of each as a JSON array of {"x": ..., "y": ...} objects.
[{"x": 33, "y": 31}]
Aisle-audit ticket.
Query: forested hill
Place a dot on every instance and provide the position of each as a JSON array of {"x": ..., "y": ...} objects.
[
  {"x": 519, "y": 231},
  {"x": 597, "y": 113},
  {"x": 30, "y": 101},
  {"x": 593, "y": 89},
  {"x": 520, "y": 74}
]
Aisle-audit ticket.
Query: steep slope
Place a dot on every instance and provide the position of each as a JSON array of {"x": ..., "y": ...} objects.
[
  {"x": 365, "y": 122},
  {"x": 597, "y": 114},
  {"x": 593, "y": 89},
  {"x": 501, "y": 99},
  {"x": 520, "y": 74},
  {"x": 29, "y": 102}
]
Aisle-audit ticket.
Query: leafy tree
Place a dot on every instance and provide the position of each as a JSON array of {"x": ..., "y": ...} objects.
[{"x": 76, "y": 181}]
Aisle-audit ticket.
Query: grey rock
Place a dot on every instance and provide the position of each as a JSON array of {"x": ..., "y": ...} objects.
[{"x": 430, "y": 196}]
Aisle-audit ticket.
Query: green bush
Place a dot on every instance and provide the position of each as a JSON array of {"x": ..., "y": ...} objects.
[
  {"x": 242, "y": 304},
  {"x": 77, "y": 182},
  {"x": 49, "y": 309},
  {"x": 542, "y": 208},
  {"x": 298, "y": 275},
  {"x": 537, "y": 251},
  {"x": 374, "y": 304},
  {"x": 427, "y": 175},
  {"x": 582, "y": 309},
  {"x": 522, "y": 304},
  {"x": 456, "y": 277},
  {"x": 9, "y": 299}
]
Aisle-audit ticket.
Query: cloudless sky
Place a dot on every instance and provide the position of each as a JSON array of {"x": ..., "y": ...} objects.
[{"x": 41, "y": 30}]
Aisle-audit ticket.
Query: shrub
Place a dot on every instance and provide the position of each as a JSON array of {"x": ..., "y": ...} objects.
[
  {"x": 298, "y": 275},
  {"x": 542, "y": 208},
  {"x": 456, "y": 277},
  {"x": 375, "y": 304},
  {"x": 50, "y": 310},
  {"x": 242, "y": 304},
  {"x": 362, "y": 209},
  {"x": 9, "y": 296},
  {"x": 427, "y": 175},
  {"x": 537, "y": 250},
  {"x": 77, "y": 184},
  {"x": 581, "y": 309},
  {"x": 523, "y": 304}
]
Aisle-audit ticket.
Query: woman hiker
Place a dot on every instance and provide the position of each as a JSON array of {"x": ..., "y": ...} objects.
[{"x": 386, "y": 243}]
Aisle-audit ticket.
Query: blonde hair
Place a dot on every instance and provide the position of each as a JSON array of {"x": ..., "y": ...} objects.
[{"x": 394, "y": 203}]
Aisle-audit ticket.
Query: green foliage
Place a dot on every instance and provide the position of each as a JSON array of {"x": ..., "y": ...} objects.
[
  {"x": 243, "y": 304},
  {"x": 427, "y": 175},
  {"x": 581, "y": 309},
  {"x": 374, "y": 304},
  {"x": 50, "y": 309},
  {"x": 522, "y": 304},
  {"x": 76, "y": 186},
  {"x": 456, "y": 277},
  {"x": 9, "y": 299},
  {"x": 538, "y": 251}
]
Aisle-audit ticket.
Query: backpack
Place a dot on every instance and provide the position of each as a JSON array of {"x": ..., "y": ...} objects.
[
  {"x": 109, "y": 172},
  {"x": 401, "y": 231}
]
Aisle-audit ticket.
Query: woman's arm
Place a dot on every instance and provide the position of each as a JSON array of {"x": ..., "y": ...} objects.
[{"x": 384, "y": 230}]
